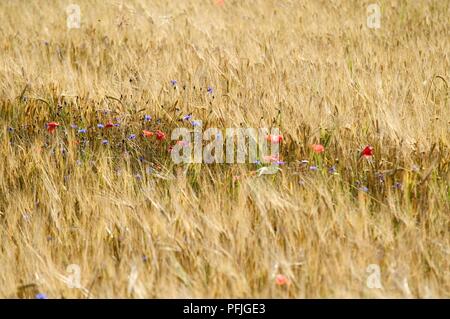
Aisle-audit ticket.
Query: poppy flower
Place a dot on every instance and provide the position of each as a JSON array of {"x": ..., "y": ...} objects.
[
  {"x": 51, "y": 126},
  {"x": 367, "y": 151},
  {"x": 318, "y": 148},
  {"x": 147, "y": 133},
  {"x": 109, "y": 125},
  {"x": 281, "y": 280},
  {"x": 160, "y": 135},
  {"x": 275, "y": 138}
]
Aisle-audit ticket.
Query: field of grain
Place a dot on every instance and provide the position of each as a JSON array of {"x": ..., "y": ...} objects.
[{"x": 88, "y": 211}]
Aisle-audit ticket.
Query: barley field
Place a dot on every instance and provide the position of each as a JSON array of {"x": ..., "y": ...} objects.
[{"x": 90, "y": 207}]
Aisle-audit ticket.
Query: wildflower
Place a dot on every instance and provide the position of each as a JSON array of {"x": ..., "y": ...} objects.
[
  {"x": 147, "y": 133},
  {"x": 367, "y": 151},
  {"x": 313, "y": 168},
  {"x": 332, "y": 170},
  {"x": 275, "y": 138},
  {"x": 138, "y": 176},
  {"x": 196, "y": 123},
  {"x": 281, "y": 280},
  {"x": 210, "y": 90},
  {"x": 160, "y": 135},
  {"x": 10, "y": 129},
  {"x": 380, "y": 177},
  {"x": 51, "y": 126},
  {"x": 132, "y": 136},
  {"x": 318, "y": 148},
  {"x": 82, "y": 131},
  {"x": 280, "y": 162},
  {"x": 397, "y": 185},
  {"x": 41, "y": 296},
  {"x": 364, "y": 189},
  {"x": 105, "y": 142},
  {"x": 147, "y": 118},
  {"x": 109, "y": 125},
  {"x": 304, "y": 162},
  {"x": 117, "y": 125},
  {"x": 100, "y": 125},
  {"x": 74, "y": 126},
  {"x": 187, "y": 117},
  {"x": 173, "y": 82}
]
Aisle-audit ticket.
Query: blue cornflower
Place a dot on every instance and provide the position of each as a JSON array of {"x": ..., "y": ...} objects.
[
  {"x": 363, "y": 189},
  {"x": 196, "y": 123},
  {"x": 41, "y": 296},
  {"x": 257, "y": 162},
  {"x": 173, "y": 82},
  {"x": 117, "y": 125},
  {"x": 82, "y": 131},
  {"x": 132, "y": 137},
  {"x": 380, "y": 177},
  {"x": 100, "y": 125},
  {"x": 397, "y": 185},
  {"x": 147, "y": 118},
  {"x": 105, "y": 142},
  {"x": 210, "y": 90},
  {"x": 280, "y": 162},
  {"x": 74, "y": 126},
  {"x": 187, "y": 117},
  {"x": 332, "y": 170},
  {"x": 313, "y": 168}
]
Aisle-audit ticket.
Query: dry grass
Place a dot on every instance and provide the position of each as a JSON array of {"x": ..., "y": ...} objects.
[{"x": 312, "y": 68}]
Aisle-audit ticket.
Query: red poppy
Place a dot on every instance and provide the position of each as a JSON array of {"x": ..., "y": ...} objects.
[
  {"x": 160, "y": 135},
  {"x": 281, "y": 280},
  {"x": 275, "y": 138},
  {"x": 147, "y": 133},
  {"x": 367, "y": 151},
  {"x": 51, "y": 126},
  {"x": 318, "y": 148},
  {"x": 109, "y": 125}
]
